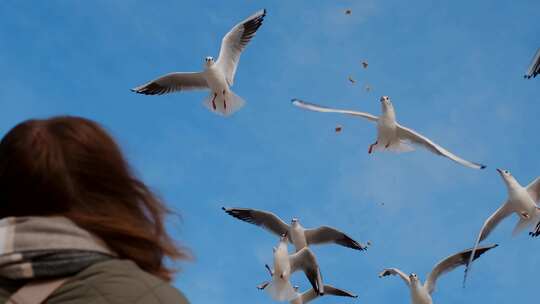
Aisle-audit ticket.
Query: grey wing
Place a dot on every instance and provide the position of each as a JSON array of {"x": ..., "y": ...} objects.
[
  {"x": 395, "y": 271},
  {"x": 306, "y": 261},
  {"x": 417, "y": 138},
  {"x": 317, "y": 108},
  {"x": 264, "y": 219},
  {"x": 235, "y": 42},
  {"x": 534, "y": 68},
  {"x": 490, "y": 224},
  {"x": 331, "y": 290},
  {"x": 534, "y": 189},
  {"x": 173, "y": 82},
  {"x": 325, "y": 234},
  {"x": 452, "y": 262}
]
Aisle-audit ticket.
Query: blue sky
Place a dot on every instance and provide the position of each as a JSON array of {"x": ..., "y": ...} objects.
[{"x": 454, "y": 71}]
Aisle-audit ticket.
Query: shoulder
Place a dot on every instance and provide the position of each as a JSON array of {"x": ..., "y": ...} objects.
[{"x": 116, "y": 281}]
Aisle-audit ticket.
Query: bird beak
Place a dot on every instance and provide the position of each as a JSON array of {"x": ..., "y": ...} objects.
[{"x": 499, "y": 170}]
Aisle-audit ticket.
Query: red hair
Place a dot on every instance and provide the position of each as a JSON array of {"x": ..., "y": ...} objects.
[{"x": 71, "y": 166}]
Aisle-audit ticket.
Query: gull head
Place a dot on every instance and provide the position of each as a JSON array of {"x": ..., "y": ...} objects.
[
  {"x": 295, "y": 222},
  {"x": 413, "y": 277},
  {"x": 386, "y": 103},
  {"x": 508, "y": 178},
  {"x": 209, "y": 60}
]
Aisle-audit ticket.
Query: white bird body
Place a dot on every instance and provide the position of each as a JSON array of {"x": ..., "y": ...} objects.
[
  {"x": 387, "y": 137},
  {"x": 297, "y": 235},
  {"x": 419, "y": 294},
  {"x": 282, "y": 265}
]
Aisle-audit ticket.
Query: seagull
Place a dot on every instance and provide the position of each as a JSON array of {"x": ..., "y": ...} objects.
[
  {"x": 310, "y": 295},
  {"x": 534, "y": 68},
  {"x": 299, "y": 236},
  {"x": 280, "y": 287},
  {"x": 390, "y": 134},
  {"x": 521, "y": 201},
  {"x": 218, "y": 76},
  {"x": 421, "y": 294}
]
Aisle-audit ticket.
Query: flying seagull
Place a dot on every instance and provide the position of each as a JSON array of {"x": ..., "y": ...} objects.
[
  {"x": 311, "y": 294},
  {"x": 390, "y": 134},
  {"x": 521, "y": 201},
  {"x": 218, "y": 76},
  {"x": 280, "y": 287},
  {"x": 421, "y": 294},
  {"x": 534, "y": 68},
  {"x": 299, "y": 236}
]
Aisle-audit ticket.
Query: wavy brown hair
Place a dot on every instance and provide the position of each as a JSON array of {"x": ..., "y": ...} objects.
[{"x": 71, "y": 166}]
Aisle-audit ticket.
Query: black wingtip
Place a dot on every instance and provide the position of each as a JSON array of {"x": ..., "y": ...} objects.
[
  {"x": 223, "y": 208},
  {"x": 483, "y": 166}
]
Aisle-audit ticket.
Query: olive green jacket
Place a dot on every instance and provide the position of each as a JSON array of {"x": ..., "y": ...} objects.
[{"x": 110, "y": 282}]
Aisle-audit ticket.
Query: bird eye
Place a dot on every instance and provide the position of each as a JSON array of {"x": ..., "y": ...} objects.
[{"x": 506, "y": 172}]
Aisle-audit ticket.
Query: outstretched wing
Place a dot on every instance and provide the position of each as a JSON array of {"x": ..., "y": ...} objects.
[
  {"x": 534, "y": 68},
  {"x": 490, "y": 224},
  {"x": 173, "y": 82},
  {"x": 417, "y": 138},
  {"x": 452, "y": 262},
  {"x": 235, "y": 42},
  {"x": 395, "y": 271},
  {"x": 264, "y": 219},
  {"x": 313, "y": 107},
  {"x": 325, "y": 234},
  {"x": 306, "y": 260}
]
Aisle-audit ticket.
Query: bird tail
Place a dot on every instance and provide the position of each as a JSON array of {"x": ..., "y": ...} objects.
[
  {"x": 281, "y": 290},
  {"x": 397, "y": 147},
  {"x": 224, "y": 104}
]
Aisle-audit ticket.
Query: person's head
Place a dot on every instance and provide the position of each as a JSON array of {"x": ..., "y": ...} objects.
[{"x": 70, "y": 166}]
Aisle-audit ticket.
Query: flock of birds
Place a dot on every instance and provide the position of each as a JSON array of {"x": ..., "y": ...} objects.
[{"x": 218, "y": 77}]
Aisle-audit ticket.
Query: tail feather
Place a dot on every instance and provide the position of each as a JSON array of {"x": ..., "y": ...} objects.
[
  {"x": 281, "y": 290},
  {"x": 224, "y": 104}
]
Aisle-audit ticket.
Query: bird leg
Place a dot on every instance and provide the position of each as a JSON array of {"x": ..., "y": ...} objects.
[
  {"x": 387, "y": 145},
  {"x": 224, "y": 100},
  {"x": 525, "y": 215},
  {"x": 269, "y": 270},
  {"x": 371, "y": 147},
  {"x": 214, "y": 101}
]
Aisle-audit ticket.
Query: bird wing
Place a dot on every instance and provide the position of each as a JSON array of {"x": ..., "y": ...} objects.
[
  {"x": 173, "y": 82},
  {"x": 417, "y": 138},
  {"x": 534, "y": 189},
  {"x": 490, "y": 224},
  {"x": 305, "y": 259},
  {"x": 264, "y": 219},
  {"x": 452, "y": 262},
  {"x": 310, "y": 295},
  {"x": 534, "y": 68},
  {"x": 395, "y": 271},
  {"x": 313, "y": 107},
  {"x": 325, "y": 234},
  {"x": 331, "y": 290},
  {"x": 235, "y": 42}
]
